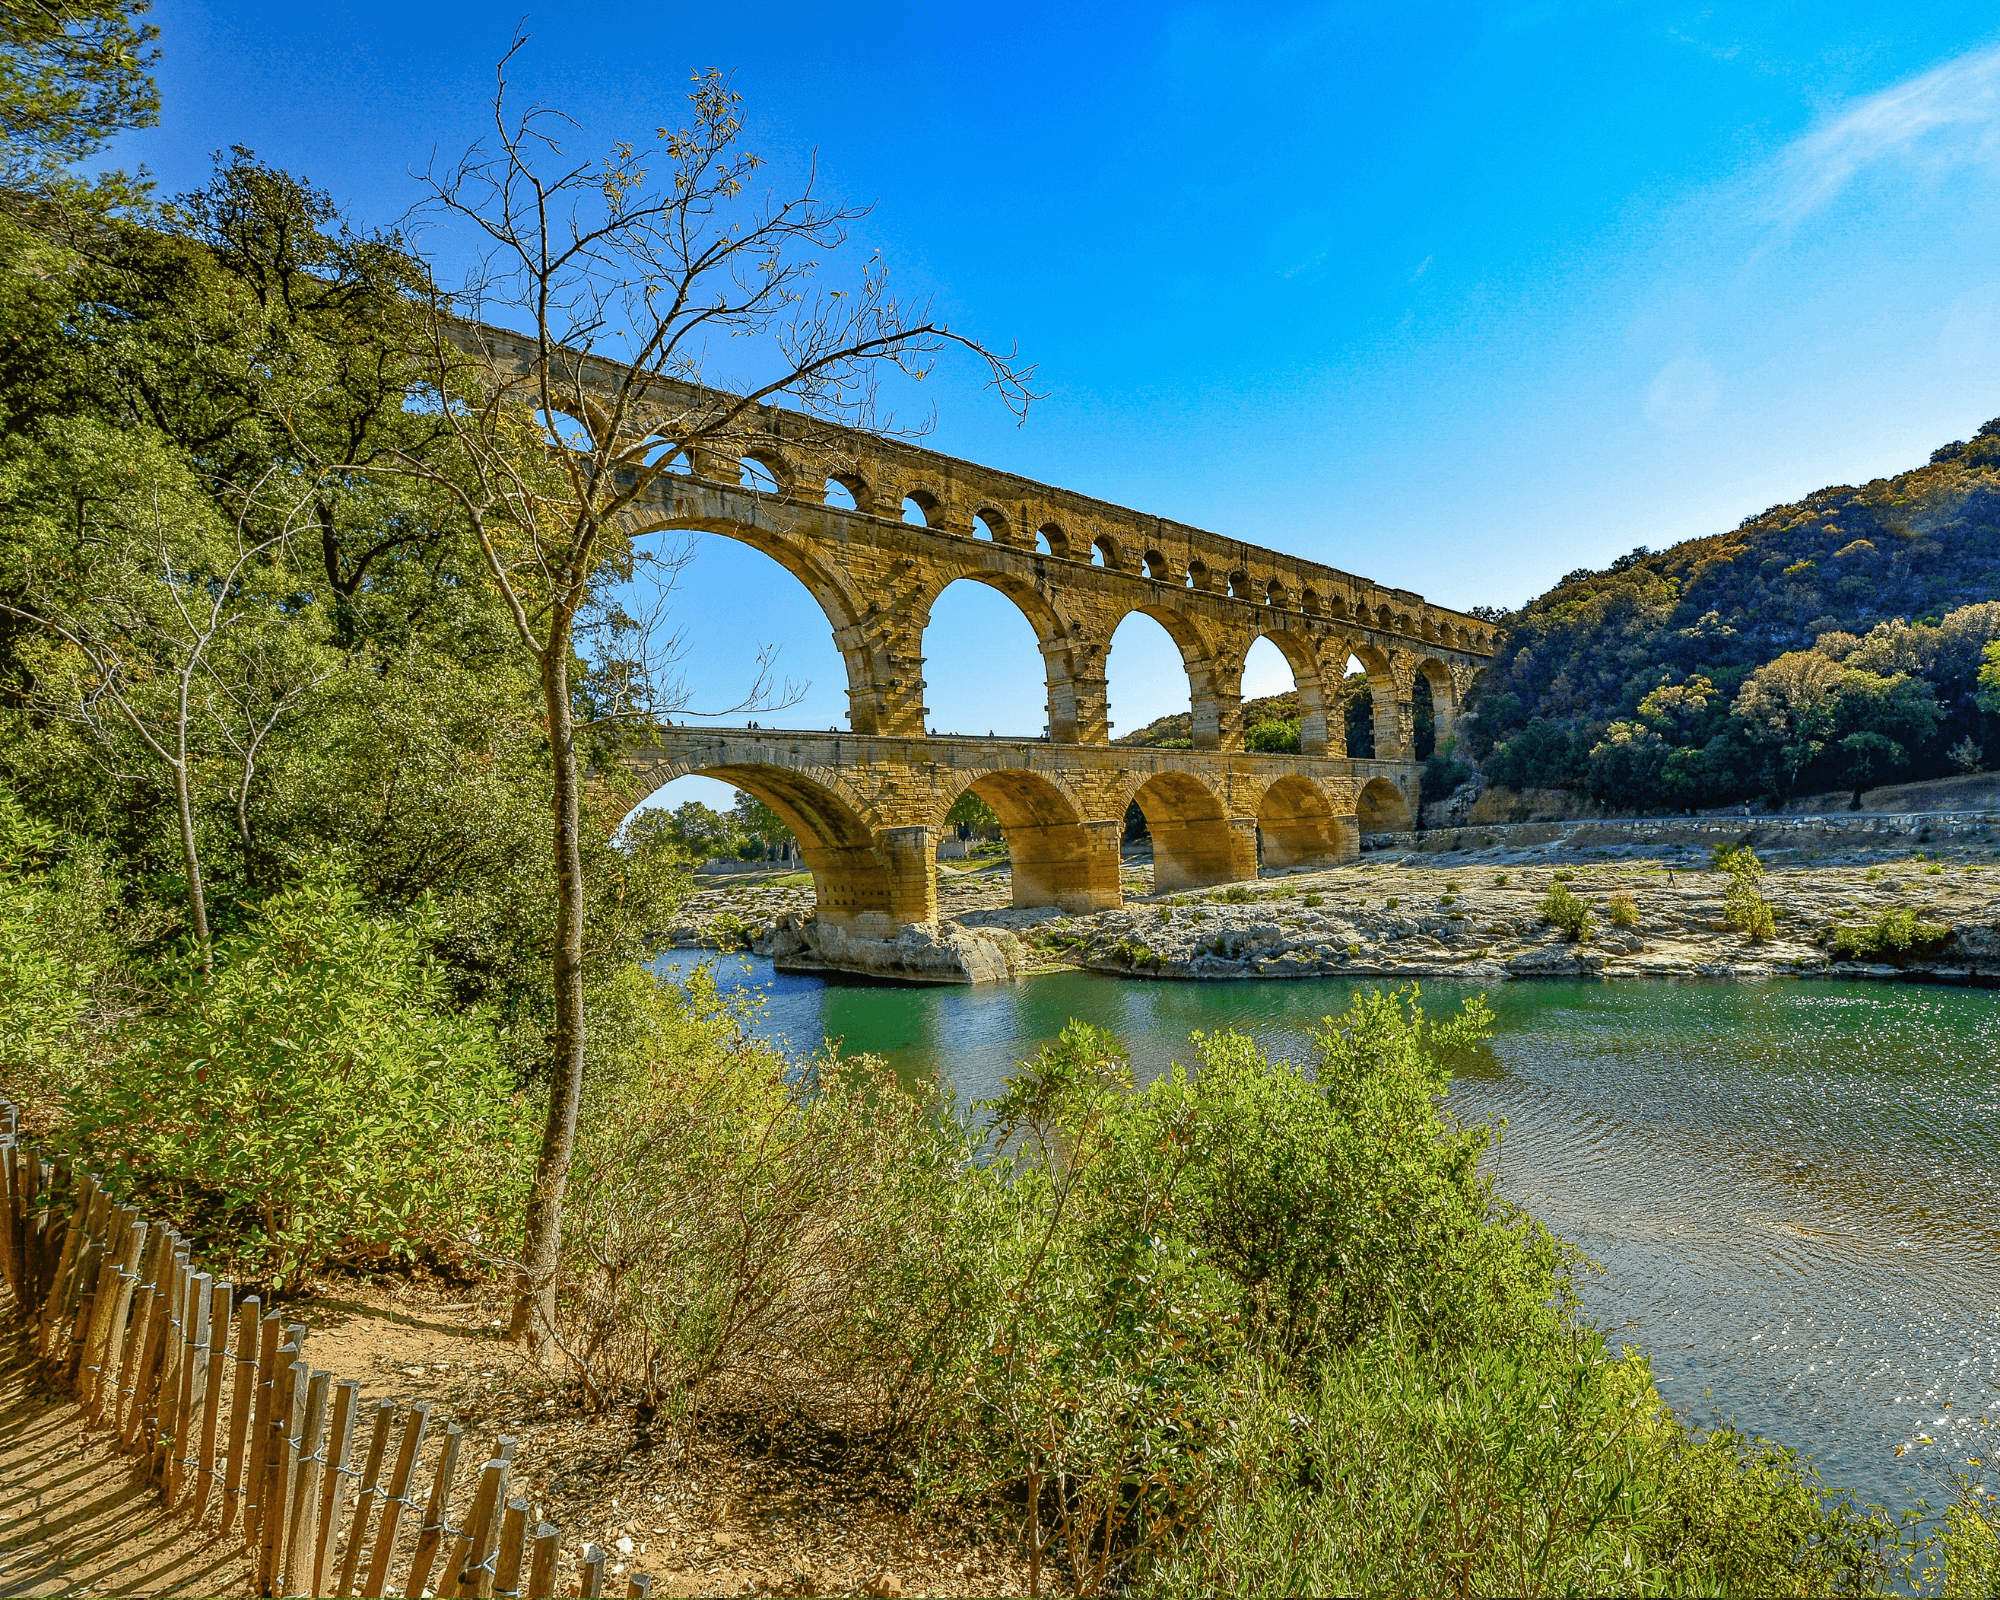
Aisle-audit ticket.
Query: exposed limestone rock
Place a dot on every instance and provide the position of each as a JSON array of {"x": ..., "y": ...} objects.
[{"x": 920, "y": 953}]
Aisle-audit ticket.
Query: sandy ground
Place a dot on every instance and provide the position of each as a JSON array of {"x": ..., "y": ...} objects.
[
  {"x": 749, "y": 1504},
  {"x": 76, "y": 1518}
]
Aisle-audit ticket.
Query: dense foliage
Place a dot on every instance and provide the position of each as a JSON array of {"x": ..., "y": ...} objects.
[{"x": 1834, "y": 643}]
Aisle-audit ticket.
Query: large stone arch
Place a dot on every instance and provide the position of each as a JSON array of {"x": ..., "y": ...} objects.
[
  {"x": 1388, "y": 687},
  {"x": 1067, "y": 708},
  {"x": 1437, "y": 677},
  {"x": 1215, "y": 697},
  {"x": 872, "y": 645},
  {"x": 1381, "y": 807},
  {"x": 867, "y": 879},
  {"x": 1195, "y": 840},
  {"x": 1301, "y": 653},
  {"x": 1056, "y": 857},
  {"x": 1301, "y": 824}
]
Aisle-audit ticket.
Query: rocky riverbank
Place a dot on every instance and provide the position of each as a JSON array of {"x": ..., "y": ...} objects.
[{"x": 1474, "y": 915}]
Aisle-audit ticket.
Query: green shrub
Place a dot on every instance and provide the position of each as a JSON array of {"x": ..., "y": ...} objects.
[
  {"x": 1392, "y": 902},
  {"x": 1624, "y": 911},
  {"x": 1275, "y": 738},
  {"x": 1744, "y": 906},
  {"x": 1565, "y": 877},
  {"x": 1314, "y": 900},
  {"x": 1500, "y": 879},
  {"x": 1894, "y": 934},
  {"x": 315, "y": 1100},
  {"x": 1546, "y": 1466},
  {"x": 1562, "y": 910},
  {"x": 1237, "y": 894}
]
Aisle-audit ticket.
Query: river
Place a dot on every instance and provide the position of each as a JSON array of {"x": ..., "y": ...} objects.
[{"x": 1792, "y": 1189}]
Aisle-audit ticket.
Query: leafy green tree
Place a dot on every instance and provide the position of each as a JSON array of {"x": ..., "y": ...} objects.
[
  {"x": 74, "y": 74},
  {"x": 972, "y": 813},
  {"x": 758, "y": 826},
  {"x": 1277, "y": 738},
  {"x": 700, "y": 831},
  {"x": 314, "y": 1099},
  {"x": 1867, "y": 758}
]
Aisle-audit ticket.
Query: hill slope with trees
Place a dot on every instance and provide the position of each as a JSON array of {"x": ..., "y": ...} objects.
[{"x": 1834, "y": 642}]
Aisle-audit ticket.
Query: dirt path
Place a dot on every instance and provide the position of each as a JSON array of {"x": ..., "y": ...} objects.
[{"x": 76, "y": 1518}]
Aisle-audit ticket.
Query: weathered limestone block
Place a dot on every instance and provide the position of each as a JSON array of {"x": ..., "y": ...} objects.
[{"x": 924, "y": 952}]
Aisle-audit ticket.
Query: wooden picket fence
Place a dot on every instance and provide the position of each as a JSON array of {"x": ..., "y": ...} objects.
[{"x": 214, "y": 1395}]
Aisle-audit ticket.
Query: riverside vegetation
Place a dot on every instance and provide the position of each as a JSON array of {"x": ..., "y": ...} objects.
[{"x": 285, "y": 955}]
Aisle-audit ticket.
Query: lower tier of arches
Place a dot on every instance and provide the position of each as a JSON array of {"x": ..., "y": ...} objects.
[{"x": 869, "y": 812}]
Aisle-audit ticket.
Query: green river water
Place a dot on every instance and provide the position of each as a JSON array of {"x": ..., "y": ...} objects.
[{"x": 1792, "y": 1189}]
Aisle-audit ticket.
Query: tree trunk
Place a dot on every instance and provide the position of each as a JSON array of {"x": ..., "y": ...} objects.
[
  {"x": 197, "y": 897},
  {"x": 535, "y": 1302}
]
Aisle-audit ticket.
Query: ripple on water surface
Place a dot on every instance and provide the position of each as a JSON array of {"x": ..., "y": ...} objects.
[{"x": 1793, "y": 1189}]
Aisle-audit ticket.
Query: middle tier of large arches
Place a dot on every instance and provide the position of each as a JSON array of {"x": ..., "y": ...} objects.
[{"x": 878, "y": 584}]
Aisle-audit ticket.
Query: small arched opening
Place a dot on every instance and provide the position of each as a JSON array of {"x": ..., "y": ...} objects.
[
  {"x": 1193, "y": 842},
  {"x": 1197, "y": 575},
  {"x": 1104, "y": 551},
  {"x": 989, "y": 524},
  {"x": 1239, "y": 586},
  {"x": 758, "y": 475},
  {"x": 920, "y": 508},
  {"x": 1158, "y": 568},
  {"x": 1050, "y": 540},
  {"x": 1297, "y": 826},
  {"x": 1380, "y": 807},
  {"x": 843, "y": 494}
]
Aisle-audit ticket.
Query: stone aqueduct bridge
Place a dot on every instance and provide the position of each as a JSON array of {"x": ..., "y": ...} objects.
[{"x": 868, "y": 804}]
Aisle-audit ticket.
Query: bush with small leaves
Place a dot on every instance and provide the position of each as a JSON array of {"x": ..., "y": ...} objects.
[
  {"x": 1895, "y": 934},
  {"x": 1624, "y": 911},
  {"x": 1563, "y": 910},
  {"x": 1744, "y": 906}
]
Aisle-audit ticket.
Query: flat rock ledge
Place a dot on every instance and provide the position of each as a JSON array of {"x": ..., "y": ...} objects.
[
  {"x": 925, "y": 952},
  {"x": 1472, "y": 917}
]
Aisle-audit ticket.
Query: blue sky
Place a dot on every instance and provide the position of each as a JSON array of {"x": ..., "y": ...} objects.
[{"x": 1455, "y": 297}]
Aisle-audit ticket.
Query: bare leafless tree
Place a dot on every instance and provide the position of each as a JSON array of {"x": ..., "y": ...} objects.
[{"x": 614, "y": 275}]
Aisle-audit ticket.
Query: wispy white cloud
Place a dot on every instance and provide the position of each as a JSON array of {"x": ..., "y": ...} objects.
[{"x": 1947, "y": 117}]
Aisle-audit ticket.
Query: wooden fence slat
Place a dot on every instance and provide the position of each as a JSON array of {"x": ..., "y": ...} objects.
[
  {"x": 108, "y": 1348},
  {"x": 431, "y": 1535},
  {"x": 269, "y": 1336},
  {"x": 513, "y": 1546},
  {"x": 140, "y": 1409},
  {"x": 138, "y": 1338},
  {"x": 302, "y": 1515},
  {"x": 542, "y": 1568},
  {"x": 10, "y": 1216},
  {"x": 93, "y": 1302},
  {"x": 415, "y": 1420},
  {"x": 31, "y": 1261},
  {"x": 192, "y": 1388},
  {"x": 287, "y": 1396},
  {"x": 371, "y": 1485},
  {"x": 470, "y": 1572},
  {"x": 166, "y": 1430},
  {"x": 593, "y": 1572},
  {"x": 77, "y": 1199},
  {"x": 638, "y": 1587},
  {"x": 346, "y": 1396},
  {"x": 206, "y": 1477},
  {"x": 242, "y": 1397}
]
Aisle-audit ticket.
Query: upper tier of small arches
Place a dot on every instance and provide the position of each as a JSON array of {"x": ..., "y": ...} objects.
[{"x": 1256, "y": 578}]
